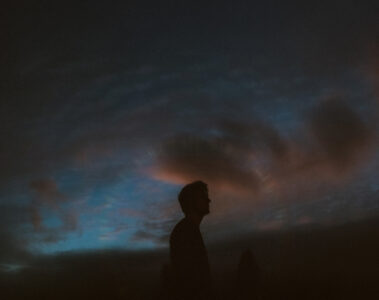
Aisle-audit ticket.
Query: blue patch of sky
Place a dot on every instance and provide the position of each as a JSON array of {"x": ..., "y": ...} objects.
[
  {"x": 92, "y": 239},
  {"x": 51, "y": 220},
  {"x": 131, "y": 194},
  {"x": 73, "y": 241}
]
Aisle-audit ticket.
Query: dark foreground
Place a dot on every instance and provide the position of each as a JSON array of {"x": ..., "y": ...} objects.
[{"x": 334, "y": 263}]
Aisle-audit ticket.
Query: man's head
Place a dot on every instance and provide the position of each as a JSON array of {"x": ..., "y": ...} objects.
[{"x": 193, "y": 198}]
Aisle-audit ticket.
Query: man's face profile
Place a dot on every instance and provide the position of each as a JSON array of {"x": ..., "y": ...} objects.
[{"x": 201, "y": 202}]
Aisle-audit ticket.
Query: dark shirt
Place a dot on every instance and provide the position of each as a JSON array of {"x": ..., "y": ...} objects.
[{"x": 189, "y": 259}]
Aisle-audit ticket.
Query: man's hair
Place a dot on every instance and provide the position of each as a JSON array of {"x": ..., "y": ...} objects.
[{"x": 189, "y": 192}]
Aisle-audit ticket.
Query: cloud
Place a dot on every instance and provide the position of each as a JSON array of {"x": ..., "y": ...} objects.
[
  {"x": 47, "y": 195},
  {"x": 144, "y": 235},
  {"x": 114, "y": 234},
  {"x": 228, "y": 155},
  {"x": 141, "y": 235},
  {"x": 155, "y": 230},
  {"x": 341, "y": 134},
  {"x": 47, "y": 192},
  {"x": 252, "y": 137},
  {"x": 252, "y": 161},
  {"x": 187, "y": 158},
  {"x": 36, "y": 218},
  {"x": 13, "y": 242},
  {"x": 240, "y": 156},
  {"x": 69, "y": 219}
]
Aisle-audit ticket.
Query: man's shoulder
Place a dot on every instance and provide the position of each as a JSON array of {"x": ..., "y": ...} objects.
[
  {"x": 183, "y": 227},
  {"x": 183, "y": 224}
]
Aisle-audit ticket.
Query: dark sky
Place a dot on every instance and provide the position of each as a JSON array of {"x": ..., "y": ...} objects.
[{"x": 109, "y": 108}]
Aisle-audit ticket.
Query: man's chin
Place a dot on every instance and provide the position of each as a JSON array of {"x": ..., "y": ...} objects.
[{"x": 205, "y": 212}]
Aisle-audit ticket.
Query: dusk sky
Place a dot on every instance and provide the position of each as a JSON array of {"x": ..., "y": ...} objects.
[{"x": 109, "y": 108}]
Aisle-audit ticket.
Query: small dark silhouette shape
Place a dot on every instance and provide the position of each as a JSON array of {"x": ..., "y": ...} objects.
[
  {"x": 189, "y": 258},
  {"x": 165, "y": 292},
  {"x": 249, "y": 277}
]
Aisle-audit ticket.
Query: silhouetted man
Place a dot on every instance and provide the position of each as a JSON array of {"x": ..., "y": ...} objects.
[{"x": 189, "y": 259}]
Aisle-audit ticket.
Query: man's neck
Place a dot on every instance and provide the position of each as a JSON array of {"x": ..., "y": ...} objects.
[{"x": 195, "y": 218}]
